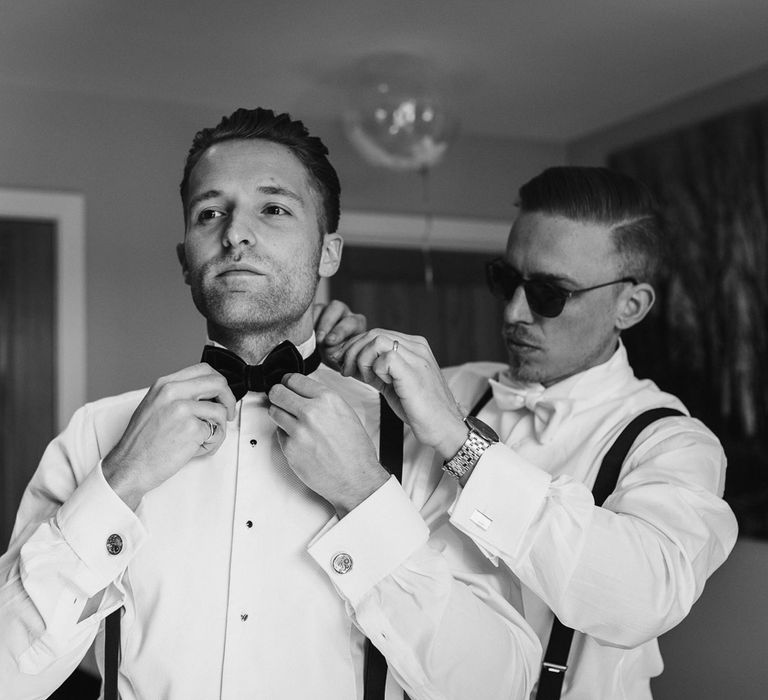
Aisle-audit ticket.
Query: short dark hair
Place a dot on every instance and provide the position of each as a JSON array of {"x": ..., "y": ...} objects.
[
  {"x": 608, "y": 198},
  {"x": 264, "y": 124}
]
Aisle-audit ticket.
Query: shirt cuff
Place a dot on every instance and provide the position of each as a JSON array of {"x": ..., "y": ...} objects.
[
  {"x": 370, "y": 542},
  {"x": 502, "y": 498},
  {"x": 100, "y": 528}
]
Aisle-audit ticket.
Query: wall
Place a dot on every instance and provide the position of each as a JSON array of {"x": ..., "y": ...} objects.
[
  {"x": 743, "y": 90},
  {"x": 126, "y": 158},
  {"x": 718, "y": 651}
]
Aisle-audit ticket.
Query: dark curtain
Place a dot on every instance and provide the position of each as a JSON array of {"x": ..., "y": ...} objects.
[{"x": 707, "y": 338}]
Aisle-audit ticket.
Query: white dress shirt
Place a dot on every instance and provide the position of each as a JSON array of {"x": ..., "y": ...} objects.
[
  {"x": 622, "y": 574},
  {"x": 231, "y": 582}
]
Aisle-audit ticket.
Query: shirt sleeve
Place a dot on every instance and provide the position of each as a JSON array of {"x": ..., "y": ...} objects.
[
  {"x": 432, "y": 605},
  {"x": 72, "y": 541},
  {"x": 623, "y": 573}
]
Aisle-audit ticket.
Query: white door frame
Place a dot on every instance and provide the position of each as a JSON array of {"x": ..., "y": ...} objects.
[{"x": 67, "y": 212}]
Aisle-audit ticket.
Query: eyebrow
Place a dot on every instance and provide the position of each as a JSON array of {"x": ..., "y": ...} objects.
[
  {"x": 274, "y": 190},
  {"x": 210, "y": 194},
  {"x": 545, "y": 276},
  {"x": 280, "y": 191},
  {"x": 553, "y": 278}
]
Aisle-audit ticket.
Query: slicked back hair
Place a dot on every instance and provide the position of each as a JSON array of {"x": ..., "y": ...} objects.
[
  {"x": 264, "y": 124},
  {"x": 607, "y": 198}
]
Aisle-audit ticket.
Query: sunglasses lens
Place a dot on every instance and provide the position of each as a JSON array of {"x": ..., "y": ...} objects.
[
  {"x": 544, "y": 299},
  {"x": 502, "y": 280}
]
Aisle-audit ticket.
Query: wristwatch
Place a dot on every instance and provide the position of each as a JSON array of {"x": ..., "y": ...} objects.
[{"x": 480, "y": 438}]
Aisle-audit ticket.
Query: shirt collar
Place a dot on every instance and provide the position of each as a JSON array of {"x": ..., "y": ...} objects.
[
  {"x": 588, "y": 387},
  {"x": 305, "y": 349}
]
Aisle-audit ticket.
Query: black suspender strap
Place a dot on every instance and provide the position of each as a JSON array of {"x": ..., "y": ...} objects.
[
  {"x": 111, "y": 654},
  {"x": 391, "y": 458},
  {"x": 608, "y": 476},
  {"x": 484, "y": 399},
  {"x": 390, "y": 440},
  {"x": 556, "y": 657}
]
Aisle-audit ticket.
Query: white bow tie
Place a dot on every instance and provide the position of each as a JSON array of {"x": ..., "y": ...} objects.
[{"x": 548, "y": 413}]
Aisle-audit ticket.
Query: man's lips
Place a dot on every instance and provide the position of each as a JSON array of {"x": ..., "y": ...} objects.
[
  {"x": 519, "y": 340},
  {"x": 239, "y": 269}
]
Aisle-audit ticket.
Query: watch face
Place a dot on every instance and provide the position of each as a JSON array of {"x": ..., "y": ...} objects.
[{"x": 481, "y": 428}]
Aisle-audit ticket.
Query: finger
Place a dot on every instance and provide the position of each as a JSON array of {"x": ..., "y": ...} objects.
[
  {"x": 302, "y": 385},
  {"x": 393, "y": 365},
  {"x": 206, "y": 424},
  {"x": 210, "y": 386},
  {"x": 317, "y": 312},
  {"x": 209, "y": 410},
  {"x": 327, "y": 316},
  {"x": 351, "y": 351},
  {"x": 318, "y": 321},
  {"x": 283, "y": 419},
  {"x": 211, "y": 428},
  {"x": 294, "y": 392},
  {"x": 379, "y": 346},
  {"x": 286, "y": 399},
  {"x": 345, "y": 328},
  {"x": 215, "y": 434}
]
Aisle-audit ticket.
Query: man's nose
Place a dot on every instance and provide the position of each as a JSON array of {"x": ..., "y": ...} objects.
[
  {"x": 517, "y": 309},
  {"x": 239, "y": 231}
]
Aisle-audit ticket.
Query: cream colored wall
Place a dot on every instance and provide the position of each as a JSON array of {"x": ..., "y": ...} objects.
[
  {"x": 742, "y": 90},
  {"x": 126, "y": 158}
]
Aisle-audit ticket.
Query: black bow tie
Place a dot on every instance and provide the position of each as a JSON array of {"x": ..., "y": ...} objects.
[{"x": 243, "y": 377}]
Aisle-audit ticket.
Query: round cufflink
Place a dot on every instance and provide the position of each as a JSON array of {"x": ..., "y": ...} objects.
[
  {"x": 114, "y": 544},
  {"x": 341, "y": 563}
]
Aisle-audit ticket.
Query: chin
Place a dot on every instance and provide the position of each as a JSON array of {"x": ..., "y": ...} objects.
[{"x": 524, "y": 372}]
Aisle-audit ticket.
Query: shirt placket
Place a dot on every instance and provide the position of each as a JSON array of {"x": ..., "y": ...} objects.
[{"x": 241, "y": 652}]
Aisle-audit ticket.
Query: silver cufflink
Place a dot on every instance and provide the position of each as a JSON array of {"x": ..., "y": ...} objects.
[
  {"x": 114, "y": 544},
  {"x": 481, "y": 520},
  {"x": 341, "y": 563}
]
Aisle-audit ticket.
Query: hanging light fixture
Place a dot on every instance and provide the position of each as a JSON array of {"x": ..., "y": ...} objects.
[{"x": 397, "y": 117}]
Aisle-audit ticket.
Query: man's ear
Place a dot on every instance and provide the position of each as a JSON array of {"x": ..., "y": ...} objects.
[
  {"x": 182, "y": 256},
  {"x": 330, "y": 254},
  {"x": 634, "y": 304}
]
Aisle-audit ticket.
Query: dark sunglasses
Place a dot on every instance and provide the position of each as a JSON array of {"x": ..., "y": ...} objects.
[{"x": 544, "y": 298}]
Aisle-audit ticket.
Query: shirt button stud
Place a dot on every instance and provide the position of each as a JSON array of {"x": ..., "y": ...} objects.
[
  {"x": 249, "y": 523},
  {"x": 114, "y": 544},
  {"x": 342, "y": 563},
  {"x": 254, "y": 443}
]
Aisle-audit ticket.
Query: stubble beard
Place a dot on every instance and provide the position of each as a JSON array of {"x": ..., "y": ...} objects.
[
  {"x": 521, "y": 370},
  {"x": 272, "y": 311}
]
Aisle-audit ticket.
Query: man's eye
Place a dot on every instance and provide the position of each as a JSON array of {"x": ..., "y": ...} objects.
[
  {"x": 275, "y": 210},
  {"x": 208, "y": 215}
]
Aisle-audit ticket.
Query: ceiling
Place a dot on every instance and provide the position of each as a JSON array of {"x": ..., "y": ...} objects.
[{"x": 542, "y": 69}]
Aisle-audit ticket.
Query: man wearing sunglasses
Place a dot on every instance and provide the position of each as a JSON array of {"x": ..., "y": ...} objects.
[{"x": 578, "y": 270}]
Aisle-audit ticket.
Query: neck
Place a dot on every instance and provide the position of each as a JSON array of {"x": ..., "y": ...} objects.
[{"x": 253, "y": 346}]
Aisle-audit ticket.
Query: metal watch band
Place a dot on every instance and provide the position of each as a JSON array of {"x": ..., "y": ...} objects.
[{"x": 468, "y": 455}]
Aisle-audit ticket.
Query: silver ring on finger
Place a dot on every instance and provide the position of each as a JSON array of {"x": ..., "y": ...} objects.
[{"x": 211, "y": 430}]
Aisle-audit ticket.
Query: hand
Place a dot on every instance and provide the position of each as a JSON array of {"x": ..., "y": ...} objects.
[
  {"x": 334, "y": 323},
  {"x": 410, "y": 379},
  {"x": 325, "y": 443},
  {"x": 167, "y": 429}
]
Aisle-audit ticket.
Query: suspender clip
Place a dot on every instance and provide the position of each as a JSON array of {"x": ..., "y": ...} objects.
[{"x": 554, "y": 668}]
